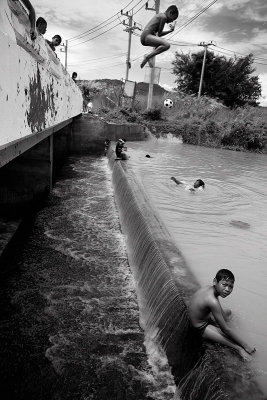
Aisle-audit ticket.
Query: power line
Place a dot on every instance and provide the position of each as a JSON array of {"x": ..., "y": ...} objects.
[
  {"x": 139, "y": 9},
  {"x": 254, "y": 62},
  {"x": 101, "y": 24},
  {"x": 96, "y": 29},
  {"x": 188, "y": 22},
  {"x": 244, "y": 55},
  {"x": 100, "y": 34},
  {"x": 100, "y": 59}
]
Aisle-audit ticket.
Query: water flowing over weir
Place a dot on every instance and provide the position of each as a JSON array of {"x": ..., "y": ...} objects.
[
  {"x": 209, "y": 373},
  {"x": 69, "y": 321}
]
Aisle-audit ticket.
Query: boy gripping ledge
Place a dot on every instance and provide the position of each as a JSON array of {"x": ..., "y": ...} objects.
[{"x": 205, "y": 304}]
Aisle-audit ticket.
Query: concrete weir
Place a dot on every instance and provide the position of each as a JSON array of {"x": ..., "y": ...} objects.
[
  {"x": 42, "y": 123},
  {"x": 164, "y": 284}
]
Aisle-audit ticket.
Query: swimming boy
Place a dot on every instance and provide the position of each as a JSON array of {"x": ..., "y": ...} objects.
[
  {"x": 198, "y": 184},
  {"x": 155, "y": 26},
  {"x": 210, "y": 320}
]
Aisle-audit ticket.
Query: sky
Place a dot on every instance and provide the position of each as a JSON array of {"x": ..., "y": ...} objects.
[{"x": 98, "y": 42}]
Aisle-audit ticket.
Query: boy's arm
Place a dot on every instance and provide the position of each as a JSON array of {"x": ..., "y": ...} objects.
[
  {"x": 176, "y": 181},
  {"x": 161, "y": 26},
  {"x": 226, "y": 329},
  {"x": 32, "y": 18},
  {"x": 162, "y": 21}
]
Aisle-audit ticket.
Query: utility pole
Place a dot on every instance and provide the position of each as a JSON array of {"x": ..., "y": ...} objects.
[
  {"x": 205, "y": 45},
  {"x": 130, "y": 27},
  {"x": 65, "y": 50},
  {"x": 150, "y": 87},
  {"x": 66, "y": 54}
]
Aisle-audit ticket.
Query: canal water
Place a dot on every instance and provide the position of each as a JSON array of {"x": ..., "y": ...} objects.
[
  {"x": 223, "y": 226},
  {"x": 69, "y": 324}
]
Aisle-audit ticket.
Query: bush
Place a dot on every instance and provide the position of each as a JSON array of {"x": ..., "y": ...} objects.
[
  {"x": 154, "y": 114},
  {"x": 246, "y": 135},
  {"x": 205, "y": 122}
]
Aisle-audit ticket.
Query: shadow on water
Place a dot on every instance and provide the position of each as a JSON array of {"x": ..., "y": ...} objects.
[
  {"x": 201, "y": 373},
  {"x": 69, "y": 325}
]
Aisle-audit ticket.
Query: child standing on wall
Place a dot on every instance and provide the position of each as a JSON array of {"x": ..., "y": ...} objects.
[
  {"x": 151, "y": 35},
  {"x": 210, "y": 320}
]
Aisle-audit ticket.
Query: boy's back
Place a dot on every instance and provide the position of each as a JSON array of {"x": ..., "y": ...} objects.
[{"x": 200, "y": 305}]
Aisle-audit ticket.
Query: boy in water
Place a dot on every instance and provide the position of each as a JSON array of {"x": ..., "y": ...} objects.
[
  {"x": 198, "y": 184},
  {"x": 155, "y": 26},
  {"x": 210, "y": 320}
]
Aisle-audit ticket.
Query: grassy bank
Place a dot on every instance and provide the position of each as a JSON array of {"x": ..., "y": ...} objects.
[
  {"x": 200, "y": 121},
  {"x": 205, "y": 122}
]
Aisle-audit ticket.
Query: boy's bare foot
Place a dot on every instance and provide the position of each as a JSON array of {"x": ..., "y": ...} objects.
[
  {"x": 147, "y": 60},
  {"x": 143, "y": 63},
  {"x": 150, "y": 63}
]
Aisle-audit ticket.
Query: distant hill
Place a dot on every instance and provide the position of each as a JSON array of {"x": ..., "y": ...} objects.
[{"x": 141, "y": 89}]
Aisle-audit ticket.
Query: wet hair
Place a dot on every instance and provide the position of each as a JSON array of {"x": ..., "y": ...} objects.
[
  {"x": 201, "y": 183},
  {"x": 224, "y": 274},
  {"x": 40, "y": 21},
  {"x": 173, "y": 10},
  {"x": 74, "y": 75}
]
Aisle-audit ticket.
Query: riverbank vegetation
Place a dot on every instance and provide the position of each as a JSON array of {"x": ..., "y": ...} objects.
[
  {"x": 231, "y": 80},
  {"x": 204, "y": 121},
  {"x": 208, "y": 123}
]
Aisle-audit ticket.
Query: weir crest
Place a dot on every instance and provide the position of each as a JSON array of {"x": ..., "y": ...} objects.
[{"x": 163, "y": 285}]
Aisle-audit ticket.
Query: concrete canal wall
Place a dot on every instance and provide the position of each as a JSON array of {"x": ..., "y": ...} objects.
[
  {"x": 30, "y": 165},
  {"x": 41, "y": 108}
]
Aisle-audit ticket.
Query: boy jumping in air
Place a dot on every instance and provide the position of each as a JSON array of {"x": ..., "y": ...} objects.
[
  {"x": 151, "y": 35},
  {"x": 210, "y": 320}
]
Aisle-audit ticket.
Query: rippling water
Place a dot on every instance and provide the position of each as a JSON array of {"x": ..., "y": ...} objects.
[
  {"x": 224, "y": 226},
  {"x": 69, "y": 325}
]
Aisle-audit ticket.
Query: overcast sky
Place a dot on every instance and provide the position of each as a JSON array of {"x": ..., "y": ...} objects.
[{"x": 98, "y": 42}]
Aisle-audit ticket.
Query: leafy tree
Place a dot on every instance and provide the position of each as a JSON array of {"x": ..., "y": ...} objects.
[{"x": 229, "y": 80}]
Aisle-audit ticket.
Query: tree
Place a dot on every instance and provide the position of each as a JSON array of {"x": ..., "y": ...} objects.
[{"x": 229, "y": 80}]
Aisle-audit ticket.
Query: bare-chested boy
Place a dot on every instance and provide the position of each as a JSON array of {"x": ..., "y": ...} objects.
[
  {"x": 210, "y": 320},
  {"x": 151, "y": 35},
  {"x": 198, "y": 184}
]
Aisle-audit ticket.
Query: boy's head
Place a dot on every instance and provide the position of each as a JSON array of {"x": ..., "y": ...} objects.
[
  {"x": 56, "y": 40},
  {"x": 224, "y": 274},
  {"x": 199, "y": 183},
  {"x": 41, "y": 25},
  {"x": 224, "y": 282},
  {"x": 172, "y": 13}
]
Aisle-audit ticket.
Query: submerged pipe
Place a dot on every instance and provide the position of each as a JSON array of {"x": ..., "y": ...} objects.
[{"x": 199, "y": 373}]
